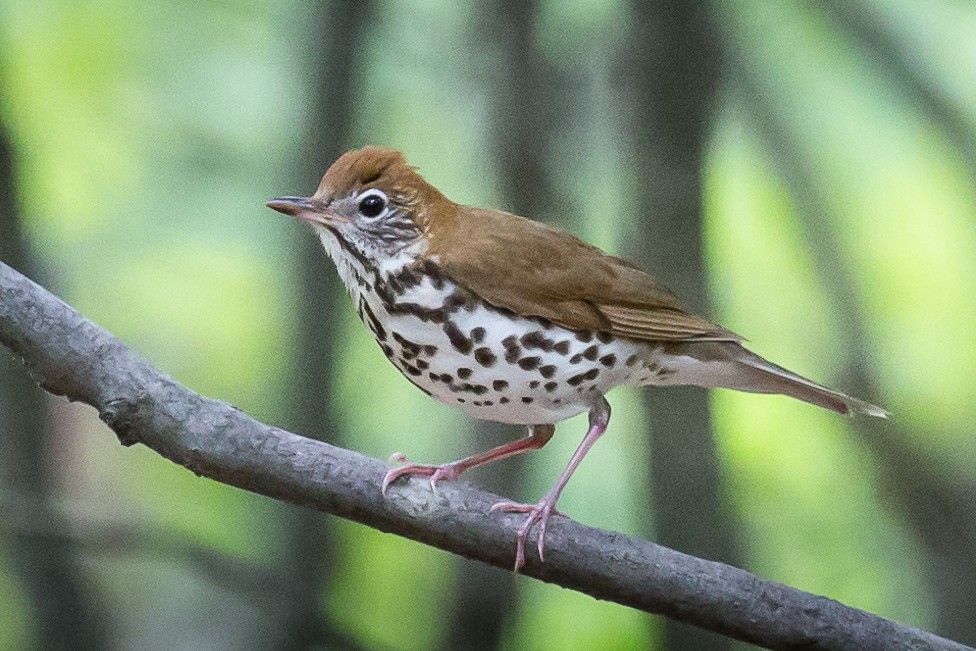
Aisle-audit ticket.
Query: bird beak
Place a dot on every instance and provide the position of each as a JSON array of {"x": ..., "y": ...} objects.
[
  {"x": 293, "y": 206},
  {"x": 304, "y": 208}
]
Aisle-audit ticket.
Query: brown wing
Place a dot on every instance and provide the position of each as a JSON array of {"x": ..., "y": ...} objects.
[{"x": 534, "y": 269}]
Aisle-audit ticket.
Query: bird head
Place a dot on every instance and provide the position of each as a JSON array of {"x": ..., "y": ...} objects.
[{"x": 371, "y": 205}]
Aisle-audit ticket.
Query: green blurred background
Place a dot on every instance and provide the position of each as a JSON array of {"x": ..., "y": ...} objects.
[{"x": 802, "y": 172}]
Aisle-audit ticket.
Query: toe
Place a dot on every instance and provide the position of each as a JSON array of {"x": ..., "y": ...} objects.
[
  {"x": 512, "y": 507},
  {"x": 519, "y": 553},
  {"x": 541, "y": 543}
]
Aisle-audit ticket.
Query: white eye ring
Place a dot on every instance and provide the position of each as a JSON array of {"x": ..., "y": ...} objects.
[{"x": 373, "y": 204}]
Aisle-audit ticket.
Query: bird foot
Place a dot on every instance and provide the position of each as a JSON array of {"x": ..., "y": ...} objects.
[
  {"x": 447, "y": 471},
  {"x": 538, "y": 514}
]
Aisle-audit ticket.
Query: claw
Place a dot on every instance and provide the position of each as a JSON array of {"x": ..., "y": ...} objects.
[
  {"x": 542, "y": 538},
  {"x": 446, "y": 472},
  {"x": 388, "y": 479},
  {"x": 538, "y": 514}
]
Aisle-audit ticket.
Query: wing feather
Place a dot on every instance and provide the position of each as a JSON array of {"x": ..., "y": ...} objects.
[{"x": 534, "y": 269}]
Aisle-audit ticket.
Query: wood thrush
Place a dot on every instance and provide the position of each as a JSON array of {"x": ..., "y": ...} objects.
[{"x": 514, "y": 321}]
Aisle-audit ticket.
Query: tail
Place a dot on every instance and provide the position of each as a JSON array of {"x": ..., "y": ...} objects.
[{"x": 729, "y": 365}]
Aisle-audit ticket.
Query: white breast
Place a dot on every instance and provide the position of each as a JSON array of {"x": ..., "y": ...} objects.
[{"x": 497, "y": 366}]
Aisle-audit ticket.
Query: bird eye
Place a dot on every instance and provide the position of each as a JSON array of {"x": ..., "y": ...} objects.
[{"x": 372, "y": 204}]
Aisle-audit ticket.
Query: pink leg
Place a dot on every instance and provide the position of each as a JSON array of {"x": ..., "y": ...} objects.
[
  {"x": 539, "y": 513},
  {"x": 538, "y": 436}
]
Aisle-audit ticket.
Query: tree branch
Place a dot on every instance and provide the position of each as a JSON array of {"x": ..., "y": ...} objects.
[{"x": 73, "y": 357}]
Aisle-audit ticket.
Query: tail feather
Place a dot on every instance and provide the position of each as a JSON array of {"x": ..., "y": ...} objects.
[
  {"x": 796, "y": 386},
  {"x": 729, "y": 365}
]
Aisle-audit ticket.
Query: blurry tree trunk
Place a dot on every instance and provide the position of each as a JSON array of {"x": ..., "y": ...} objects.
[
  {"x": 671, "y": 75},
  {"x": 521, "y": 123},
  {"x": 334, "y": 43},
  {"x": 941, "y": 513},
  {"x": 65, "y": 615}
]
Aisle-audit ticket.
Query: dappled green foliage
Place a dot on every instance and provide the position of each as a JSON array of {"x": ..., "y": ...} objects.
[{"x": 839, "y": 234}]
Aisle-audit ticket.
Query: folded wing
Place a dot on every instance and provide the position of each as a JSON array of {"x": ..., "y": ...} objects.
[{"x": 533, "y": 269}]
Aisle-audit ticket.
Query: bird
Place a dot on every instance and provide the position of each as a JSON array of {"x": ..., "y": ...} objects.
[{"x": 512, "y": 320}]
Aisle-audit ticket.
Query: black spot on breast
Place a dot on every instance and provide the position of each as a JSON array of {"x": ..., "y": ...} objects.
[
  {"x": 412, "y": 370},
  {"x": 538, "y": 340},
  {"x": 562, "y": 347},
  {"x": 533, "y": 384},
  {"x": 422, "y": 364},
  {"x": 461, "y": 400},
  {"x": 454, "y": 302},
  {"x": 387, "y": 351},
  {"x": 460, "y": 343},
  {"x": 591, "y": 352},
  {"x": 632, "y": 360},
  {"x": 460, "y": 299},
  {"x": 476, "y": 389},
  {"x": 478, "y": 335},
  {"x": 585, "y": 336},
  {"x": 410, "y": 349},
  {"x": 371, "y": 320},
  {"x": 551, "y": 386},
  {"x": 604, "y": 337},
  {"x": 527, "y": 400},
  {"x": 394, "y": 307},
  {"x": 404, "y": 279},
  {"x": 464, "y": 373},
  {"x": 547, "y": 371},
  {"x": 512, "y": 349},
  {"x": 608, "y": 360},
  {"x": 432, "y": 271},
  {"x": 485, "y": 357},
  {"x": 447, "y": 378},
  {"x": 499, "y": 385},
  {"x": 580, "y": 378},
  {"x": 503, "y": 401},
  {"x": 529, "y": 363},
  {"x": 434, "y": 377},
  {"x": 430, "y": 350}
]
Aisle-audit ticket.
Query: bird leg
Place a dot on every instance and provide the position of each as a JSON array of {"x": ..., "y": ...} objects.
[
  {"x": 538, "y": 436},
  {"x": 539, "y": 513}
]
